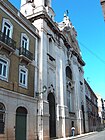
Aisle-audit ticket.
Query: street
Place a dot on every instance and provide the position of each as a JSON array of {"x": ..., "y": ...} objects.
[{"x": 97, "y": 136}]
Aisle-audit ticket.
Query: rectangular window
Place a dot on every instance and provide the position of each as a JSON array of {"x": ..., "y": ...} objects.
[
  {"x": 68, "y": 101},
  {"x": 50, "y": 47},
  {"x": 3, "y": 69},
  {"x": 23, "y": 77},
  {"x": 24, "y": 43},
  {"x": 7, "y": 29}
]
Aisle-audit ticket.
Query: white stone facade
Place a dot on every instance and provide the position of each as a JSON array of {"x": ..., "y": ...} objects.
[
  {"x": 53, "y": 60},
  {"x": 59, "y": 66}
]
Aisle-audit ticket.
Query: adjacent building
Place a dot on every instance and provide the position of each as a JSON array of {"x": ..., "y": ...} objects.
[
  {"x": 92, "y": 108},
  {"x": 101, "y": 109},
  {"x": 103, "y": 7},
  {"x": 18, "y": 73}
]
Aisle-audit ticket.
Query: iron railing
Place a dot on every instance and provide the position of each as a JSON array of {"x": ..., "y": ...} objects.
[
  {"x": 7, "y": 40},
  {"x": 26, "y": 53}
]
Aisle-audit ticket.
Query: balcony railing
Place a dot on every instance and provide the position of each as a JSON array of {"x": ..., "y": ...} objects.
[
  {"x": 8, "y": 41},
  {"x": 24, "y": 52}
]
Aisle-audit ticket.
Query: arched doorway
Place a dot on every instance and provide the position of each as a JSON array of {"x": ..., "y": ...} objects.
[
  {"x": 2, "y": 118},
  {"x": 52, "y": 118},
  {"x": 21, "y": 123},
  {"x": 83, "y": 112}
]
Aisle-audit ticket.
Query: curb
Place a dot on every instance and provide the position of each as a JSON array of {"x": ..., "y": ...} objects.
[
  {"x": 82, "y": 135},
  {"x": 78, "y": 136}
]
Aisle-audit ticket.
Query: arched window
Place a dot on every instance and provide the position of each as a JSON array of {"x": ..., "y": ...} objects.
[
  {"x": 2, "y": 118},
  {"x": 72, "y": 123},
  {"x": 7, "y": 28},
  {"x": 69, "y": 86},
  {"x": 68, "y": 73},
  {"x": 23, "y": 76},
  {"x": 24, "y": 41},
  {"x": 4, "y": 68}
]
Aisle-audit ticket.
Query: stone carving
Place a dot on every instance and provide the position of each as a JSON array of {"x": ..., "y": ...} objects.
[{"x": 51, "y": 89}]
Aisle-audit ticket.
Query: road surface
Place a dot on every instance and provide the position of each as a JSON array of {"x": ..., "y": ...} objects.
[{"x": 96, "y": 136}]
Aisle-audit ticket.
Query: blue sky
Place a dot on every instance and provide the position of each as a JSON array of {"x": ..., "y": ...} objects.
[{"x": 87, "y": 18}]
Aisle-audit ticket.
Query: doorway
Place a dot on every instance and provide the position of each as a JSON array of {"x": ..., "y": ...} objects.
[
  {"x": 83, "y": 112},
  {"x": 21, "y": 123},
  {"x": 52, "y": 118}
]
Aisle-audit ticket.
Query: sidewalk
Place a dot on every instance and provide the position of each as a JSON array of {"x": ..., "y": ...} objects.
[{"x": 77, "y": 136}]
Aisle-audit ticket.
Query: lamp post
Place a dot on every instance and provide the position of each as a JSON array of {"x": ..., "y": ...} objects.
[
  {"x": 44, "y": 90},
  {"x": 40, "y": 113}
]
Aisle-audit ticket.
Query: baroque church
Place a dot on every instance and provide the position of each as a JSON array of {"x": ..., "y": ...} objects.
[{"x": 42, "y": 92}]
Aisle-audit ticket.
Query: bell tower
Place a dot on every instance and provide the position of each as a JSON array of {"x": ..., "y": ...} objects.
[
  {"x": 42, "y": 3},
  {"x": 31, "y": 7}
]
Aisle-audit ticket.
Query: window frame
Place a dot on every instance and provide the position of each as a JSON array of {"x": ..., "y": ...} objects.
[
  {"x": 5, "y": 78},
  {"x": 7, "y": 21},
  {"x": 50, "y": 46},
  {"x": 22, "y": 69},
  {"x": 23, "y": 35}
]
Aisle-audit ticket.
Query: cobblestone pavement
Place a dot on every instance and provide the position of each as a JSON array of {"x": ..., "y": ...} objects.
[
  {"x": 95, "y": 136},
  {"x": 88, "y": 136}
]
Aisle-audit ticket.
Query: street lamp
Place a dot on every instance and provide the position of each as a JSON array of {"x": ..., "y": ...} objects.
[{"x": 42, "y": 92}]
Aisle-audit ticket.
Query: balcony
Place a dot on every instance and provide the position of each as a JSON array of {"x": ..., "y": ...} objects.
[
  {"x": 25, "y": 54},
  {"x": 7, "y": 43}
]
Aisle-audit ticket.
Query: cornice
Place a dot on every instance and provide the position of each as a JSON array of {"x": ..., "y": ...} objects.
[
  {"x": 43, "y": 15},
  {"x": 78, "y": 58}
]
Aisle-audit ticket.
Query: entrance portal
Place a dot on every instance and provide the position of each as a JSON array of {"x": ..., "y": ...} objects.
[
  {"x": 52, "y": 118},
  {"x": 83, "y": 112}
]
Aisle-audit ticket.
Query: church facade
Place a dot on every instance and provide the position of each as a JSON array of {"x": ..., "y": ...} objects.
[
  {"x": 61, "y": 69},
  {"x": 44, "y": 54}
]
